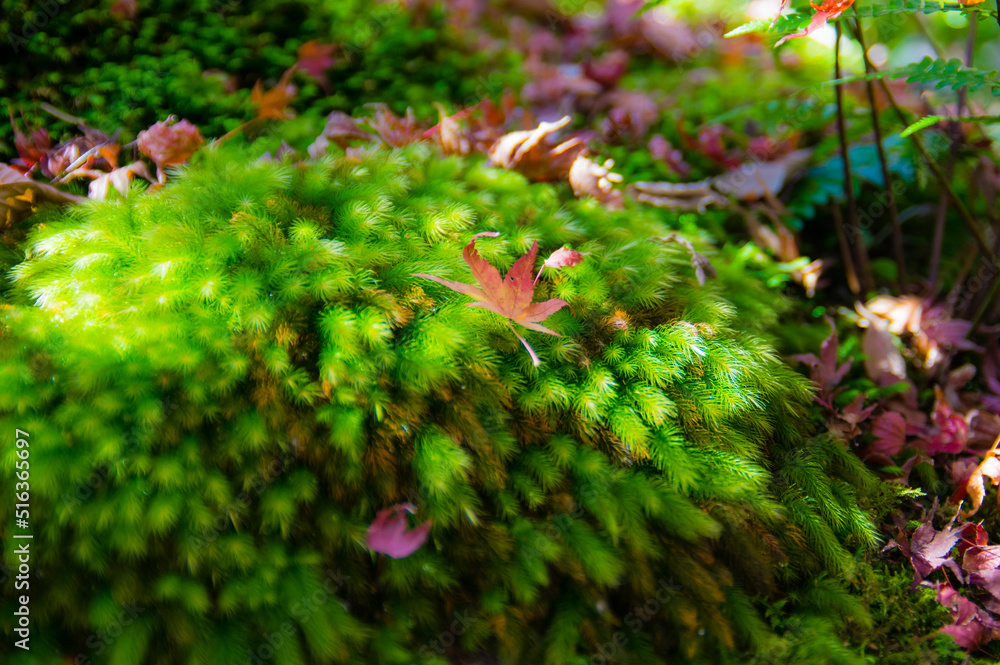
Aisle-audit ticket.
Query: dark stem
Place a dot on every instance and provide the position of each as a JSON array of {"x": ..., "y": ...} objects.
[
  {"x": 845, "y": 250},
  {"x": 897, "y": 230},
  {"x": 856, "y": 238},
  {"x": 955, "y": 132}
]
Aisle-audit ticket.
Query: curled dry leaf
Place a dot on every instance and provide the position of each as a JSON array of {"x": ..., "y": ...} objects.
[
  {"x": 339, "y": 129},
  {"x": 511, "y": 296},
  {"x": 882, "y": 356},
  {"x": 702, "y": 267},
  {"x": 453, "y": 140},
  {"x": 751, "y": 181},
  {"x": 529, "y": 153},
  {"x": 20, "y": 196},
  {"x": 120, "y": 178},
  {"x": 975, "y": 486},
  {"x": 588, "y": 179},
  {"x": 754, "y": 181}
]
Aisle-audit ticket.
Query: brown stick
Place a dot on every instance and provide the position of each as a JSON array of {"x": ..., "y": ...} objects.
[
  {"x": 897, "y": 229},
  {"x": 845, "y": 250},
  {"x": 857, "y": 241},
  {"x": 955, "y": 131}
]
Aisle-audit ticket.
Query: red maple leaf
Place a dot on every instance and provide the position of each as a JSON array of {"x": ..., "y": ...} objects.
[
  {"x": 314, "y": 59},
  {"x": 511, "y": 296}
]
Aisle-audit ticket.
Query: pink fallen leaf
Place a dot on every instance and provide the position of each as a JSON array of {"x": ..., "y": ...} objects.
[
  {"x": 824, "y": 371},
  {"x": 388, "y": 532},
  {"x": 339, "y": 129},
  {"x": 126, "y": 9},
  {"x": 168, "y": 144},
  {"x": 660, "y": 148},
  {"x": 890, "y": 435},
  {"x": 511, "y": 296},
  {"x": 951, "y": 432},
  {"x": 561, "y": 258},
  {"x": 971, "y": 625}
]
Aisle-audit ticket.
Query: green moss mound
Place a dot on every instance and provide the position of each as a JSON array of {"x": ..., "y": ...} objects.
[
  {"x": 224, "y": 381},
  {"x": 172, "y": 58}
]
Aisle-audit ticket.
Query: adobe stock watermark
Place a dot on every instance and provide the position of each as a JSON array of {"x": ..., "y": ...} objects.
[
  {"x": 34, "y": 20},
  {"x": 447, "y": 638},
  {"x": 376, "y": 24},
  {"x": 72, "y": 499},
  {"x": 99, "y": 641},
  {"x": 277, "y": 467},
  {"x": 636, "y": 618},
  {"x": 300, "y": 612}
]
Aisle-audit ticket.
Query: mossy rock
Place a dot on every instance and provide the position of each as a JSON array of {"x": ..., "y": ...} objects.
[{"x": 223, "y": 382}]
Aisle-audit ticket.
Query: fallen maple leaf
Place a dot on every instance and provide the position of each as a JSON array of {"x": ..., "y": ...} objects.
[
  {"x": 274, "y": 103},
  {"x": 31, "y": 149},
  {"x": 951, "y": 433},
  {"x": 971, "y": 625},
  {"x": 314, "y": 59},
  {"x": 511, "y": 297},
  {"x": 824, "y": 370},
  {"x": 388, "y": 535},
  {"x": 338, "y": 129},
  {"x": 890, "y": 437},
  {"x": 168, "y": 144},
  {"x": 930, "y": 549}
]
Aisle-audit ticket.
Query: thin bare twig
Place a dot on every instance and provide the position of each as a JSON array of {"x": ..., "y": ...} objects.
[
  {"x": 857, "y": 239},
  {"x": 897, "y": 230},
  {"x": 845, "y": 250},
  {"x": 955, "y": 131}
]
